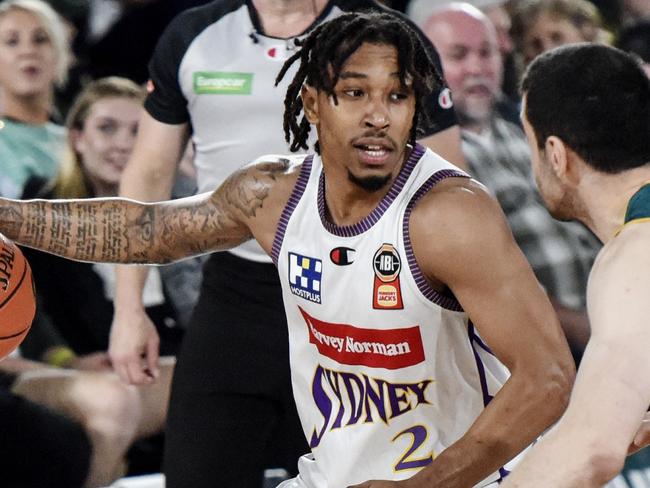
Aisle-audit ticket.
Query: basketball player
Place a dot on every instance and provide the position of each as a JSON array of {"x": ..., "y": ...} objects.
[
  {"x": 591, "y": 158},
  {"x": 212, "y": 79},
  {"x": 406, "y": 296}
]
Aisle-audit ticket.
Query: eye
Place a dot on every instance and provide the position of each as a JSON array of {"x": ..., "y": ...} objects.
[
  {"x": 353, "y": 92},
  {"x": 11, "y": 41},
  {"x": 41, "y": 38},
  {"x": 398, "y": 96},
  {"x": 107, "y": 128}
]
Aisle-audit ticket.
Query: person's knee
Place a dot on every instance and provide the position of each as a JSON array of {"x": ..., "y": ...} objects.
[{"x": 109, "y": 407}]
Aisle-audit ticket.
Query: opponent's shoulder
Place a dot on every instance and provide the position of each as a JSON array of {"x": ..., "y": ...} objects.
[{"x": 621, "y": 259}]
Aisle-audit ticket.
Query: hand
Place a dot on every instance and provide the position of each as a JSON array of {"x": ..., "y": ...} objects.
[
  {"x": 642, "y": 436},
  {"x": 95, "y": 361},
  {"x": 134, "y": 347}
]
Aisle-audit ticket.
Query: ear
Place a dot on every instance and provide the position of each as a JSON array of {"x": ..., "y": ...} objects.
[
  {"x": 556, "y": 153},
  {"x": 309, "y": 96},
  {"x": 564, "y": 161}
]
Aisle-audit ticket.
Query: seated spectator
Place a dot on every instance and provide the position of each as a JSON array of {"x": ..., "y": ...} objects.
[
  {"x": 70, "y": 428},
  {"x": 495, "y": 10},
  {"x": 560, "y": 253},
  {"x": 102, "y": 125},
  {"x": 34, "y": 56},
  {"x": 540, "y": 25}
]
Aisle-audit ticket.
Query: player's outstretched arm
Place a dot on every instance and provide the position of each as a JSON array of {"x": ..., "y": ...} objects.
[
  {"x": 462, "y": 241},
  {"x": 126, "y": 231},
  {"x": 588, "y": 446}
]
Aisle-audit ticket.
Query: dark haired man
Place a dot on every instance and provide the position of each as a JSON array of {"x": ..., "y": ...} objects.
[
  {"x": 406, "y": 296},
  {"x": 591, "y": 158},
  {"x": 212, "y": 79}
]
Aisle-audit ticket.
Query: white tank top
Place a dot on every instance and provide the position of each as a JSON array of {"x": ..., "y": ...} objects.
[{"x": 386, "y": 371}]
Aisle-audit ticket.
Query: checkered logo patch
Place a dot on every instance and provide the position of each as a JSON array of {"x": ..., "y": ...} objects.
[{"x": 305, "y": 277}]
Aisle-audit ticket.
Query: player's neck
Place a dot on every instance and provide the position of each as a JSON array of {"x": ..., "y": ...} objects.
[
  {"x": 346, "y": 203},
  {"x": 287, "y": 18},
  {"x": 606, "y": 198}
]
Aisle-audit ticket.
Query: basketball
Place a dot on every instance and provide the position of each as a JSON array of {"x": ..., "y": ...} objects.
[{"x": 17, "y": 301}]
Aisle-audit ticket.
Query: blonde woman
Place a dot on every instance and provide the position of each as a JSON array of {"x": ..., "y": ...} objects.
[{"x": 34, "y": 58}]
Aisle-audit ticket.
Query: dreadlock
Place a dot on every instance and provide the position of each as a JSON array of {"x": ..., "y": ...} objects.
[{"x": 326, "y": 49}]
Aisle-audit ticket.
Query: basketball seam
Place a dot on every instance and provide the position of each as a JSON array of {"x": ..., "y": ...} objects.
[
  {"x": 2, "y": 338},
  {"x": 17, "y": 287}
]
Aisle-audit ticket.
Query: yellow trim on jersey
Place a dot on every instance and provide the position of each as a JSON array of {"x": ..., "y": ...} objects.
[{"x": 627, "y": 206}]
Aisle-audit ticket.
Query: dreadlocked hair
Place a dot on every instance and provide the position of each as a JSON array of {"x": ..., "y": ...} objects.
[{"x": 325, "y": 50}]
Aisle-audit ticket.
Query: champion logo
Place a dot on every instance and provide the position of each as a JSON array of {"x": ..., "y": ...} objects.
[{"x": 342, "y": 256}]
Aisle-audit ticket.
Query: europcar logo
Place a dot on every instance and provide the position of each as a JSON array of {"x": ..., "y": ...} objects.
[{"x": 222, "y": 83}]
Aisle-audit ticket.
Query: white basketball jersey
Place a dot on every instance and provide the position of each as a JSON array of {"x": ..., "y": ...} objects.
[{"x": 386, "y": 371}]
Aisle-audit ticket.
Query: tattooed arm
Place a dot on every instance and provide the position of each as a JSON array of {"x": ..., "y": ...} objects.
[{"x": 126, "y": 231}]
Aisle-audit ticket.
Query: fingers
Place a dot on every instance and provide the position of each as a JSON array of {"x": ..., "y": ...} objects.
[{"x": 151, "y": 358}]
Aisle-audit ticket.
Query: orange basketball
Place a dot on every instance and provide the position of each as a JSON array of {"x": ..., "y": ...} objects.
[{"x": 17, "y": 301}]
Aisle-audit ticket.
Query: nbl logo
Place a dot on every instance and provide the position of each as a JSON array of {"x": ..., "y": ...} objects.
[
  {"x": 387, "y": 293},
  {"x": 387, "y": 263}
]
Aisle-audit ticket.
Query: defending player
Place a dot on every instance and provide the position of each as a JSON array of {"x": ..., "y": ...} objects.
[
  {"x": 405, "y": 293},
  {"x": 591, "y": 158}
]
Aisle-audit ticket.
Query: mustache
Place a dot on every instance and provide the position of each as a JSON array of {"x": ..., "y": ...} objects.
[
  {"x": 477, "y": 82},
  {"x": 386, "y": 140}
]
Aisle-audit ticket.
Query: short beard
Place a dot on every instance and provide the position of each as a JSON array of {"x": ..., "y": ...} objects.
[{"x": 371, "y": 184}]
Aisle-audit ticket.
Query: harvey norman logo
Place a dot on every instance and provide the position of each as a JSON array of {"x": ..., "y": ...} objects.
[
  {"x": 222, "y": 83},
  {"x": 376, "y": 348}
]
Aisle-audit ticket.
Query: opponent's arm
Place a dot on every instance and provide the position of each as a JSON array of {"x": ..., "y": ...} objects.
[
  {"x": 461, "y": 239},
  {"x": 125, "y": 231},
  {"x": 612, "y": 391}
]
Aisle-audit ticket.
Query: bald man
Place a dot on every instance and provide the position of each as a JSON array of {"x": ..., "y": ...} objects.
[{"x": 497, "y": 153}]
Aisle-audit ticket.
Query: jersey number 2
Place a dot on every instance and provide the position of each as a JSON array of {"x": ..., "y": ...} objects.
[{"x": 410, "y": 460}]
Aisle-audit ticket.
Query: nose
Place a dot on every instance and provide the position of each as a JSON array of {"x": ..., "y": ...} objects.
[
  {"x": 377, "y": 115},
  {"x": 27, "y": 47},
  {"x": 124, "y": 140}
]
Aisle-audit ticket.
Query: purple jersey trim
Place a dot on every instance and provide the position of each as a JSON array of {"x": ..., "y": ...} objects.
[
  {"x": 292, "y": 203},
  {"x": 446, "y": 301},
  {"x": 367, "y": 222},
  {"x": 475, "y": 341}
]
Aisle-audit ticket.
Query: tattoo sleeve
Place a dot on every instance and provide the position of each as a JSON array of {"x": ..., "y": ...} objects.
[{"x": 125, "y": 231}]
